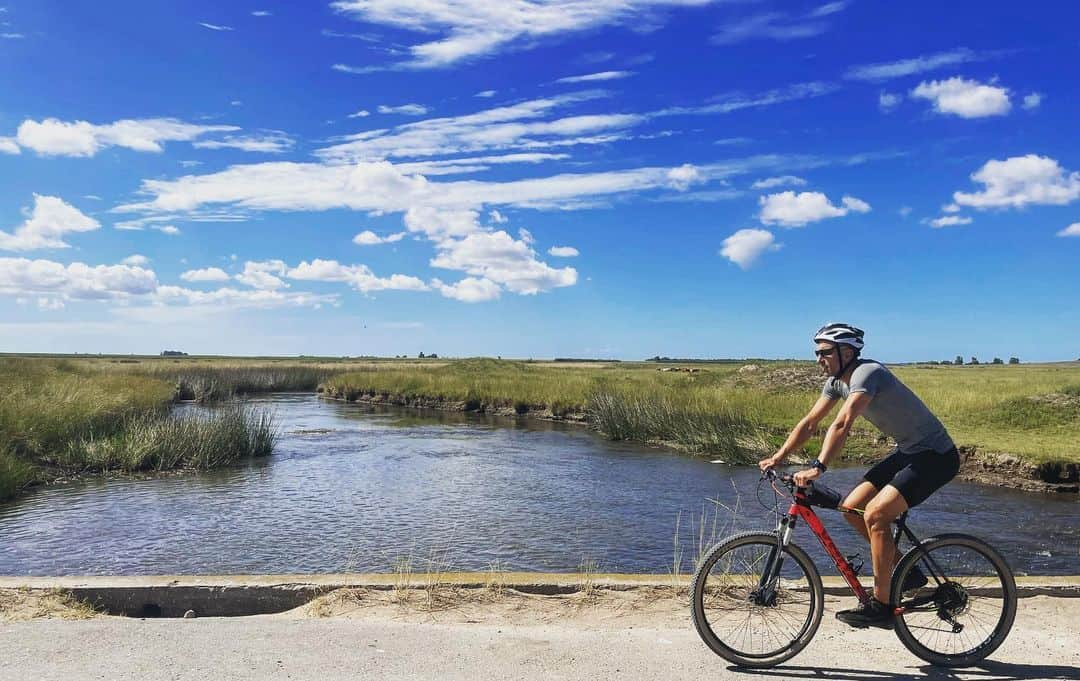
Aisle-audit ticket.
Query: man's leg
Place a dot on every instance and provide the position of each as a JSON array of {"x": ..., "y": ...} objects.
[
  {"x": 881, "y": 511},
  {"x": 859, "y": 498}
]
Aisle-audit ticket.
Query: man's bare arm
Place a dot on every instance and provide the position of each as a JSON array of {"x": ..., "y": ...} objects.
[
  {"x": 802, "y": 432},
  {"x": 838, "y": 432}
]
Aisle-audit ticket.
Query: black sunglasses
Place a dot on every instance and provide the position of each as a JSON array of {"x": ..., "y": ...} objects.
[{"x": 824, "y": 353}]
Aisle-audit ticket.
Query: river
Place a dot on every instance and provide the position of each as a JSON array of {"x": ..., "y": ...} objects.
[{"x": 358, "y": 489}]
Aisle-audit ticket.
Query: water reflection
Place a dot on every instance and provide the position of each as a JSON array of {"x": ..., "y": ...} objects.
[{"x": 353, "y": 488}]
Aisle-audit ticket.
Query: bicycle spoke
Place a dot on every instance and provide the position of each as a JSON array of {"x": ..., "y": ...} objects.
[
  {"x": 749, "y": 624},
  {"x": 965, "y": 616}
]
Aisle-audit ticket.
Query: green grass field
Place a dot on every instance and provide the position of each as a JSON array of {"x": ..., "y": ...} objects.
[{"x": 91, "y": 414}]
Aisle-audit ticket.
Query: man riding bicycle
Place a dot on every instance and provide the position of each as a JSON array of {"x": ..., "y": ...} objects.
[{"x": 923, "y": 460}]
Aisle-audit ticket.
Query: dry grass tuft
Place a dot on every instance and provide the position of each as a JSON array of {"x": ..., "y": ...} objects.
[{"x": 18, "y": 605}]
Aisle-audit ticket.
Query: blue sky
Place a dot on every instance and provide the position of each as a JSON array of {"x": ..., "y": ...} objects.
[{"x": 619, "y": 178}]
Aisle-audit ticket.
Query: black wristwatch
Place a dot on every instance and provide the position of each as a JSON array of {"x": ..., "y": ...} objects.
[{"x": 818, "y": 465}]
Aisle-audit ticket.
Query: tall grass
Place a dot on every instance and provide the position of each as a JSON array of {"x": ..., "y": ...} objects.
[
  {"x": 61, "y": 417},
  {"x": 189, "y": 441},
  {"x": 209, "y": 384},
  {"x": 720, "y": 411},
  {"x": 706, "y": 424}
]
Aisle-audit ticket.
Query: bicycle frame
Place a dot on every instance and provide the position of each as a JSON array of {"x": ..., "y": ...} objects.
[{"x": 801, "y": 508}]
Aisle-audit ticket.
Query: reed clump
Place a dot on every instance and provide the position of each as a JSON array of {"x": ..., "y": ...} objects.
[
  {"x": 208, "y": 384},
  {"x": 193, "y": 441},
  {"x": 59, "y": 418}
]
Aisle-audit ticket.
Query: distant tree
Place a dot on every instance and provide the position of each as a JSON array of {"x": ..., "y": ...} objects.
[
  {"x": 421, "y": 355},
  {"x": 958, "y": 361},
  {"x": 1014, "y": 360},
  {"x": 996, "y": 360},
  {"x": 974, "y": 360},
  {"x": 433, "y": 356}
]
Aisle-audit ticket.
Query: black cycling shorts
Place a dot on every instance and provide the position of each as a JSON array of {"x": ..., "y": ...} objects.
[{"x": 916, "y": 475}]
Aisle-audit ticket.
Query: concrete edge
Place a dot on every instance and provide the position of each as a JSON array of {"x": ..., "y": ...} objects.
[{"x": 238, "y": 595}]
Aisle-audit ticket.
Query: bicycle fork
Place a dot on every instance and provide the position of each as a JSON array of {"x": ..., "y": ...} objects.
[{"x": 765, "y": 593}]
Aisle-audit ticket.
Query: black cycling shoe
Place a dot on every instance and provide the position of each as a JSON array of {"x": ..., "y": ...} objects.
[
  {"x": 871, "y": 614},
  {"x": 915, "y": 579}
]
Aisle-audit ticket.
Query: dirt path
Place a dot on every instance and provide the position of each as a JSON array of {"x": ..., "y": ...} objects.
[{"x": 604, "y": 635}]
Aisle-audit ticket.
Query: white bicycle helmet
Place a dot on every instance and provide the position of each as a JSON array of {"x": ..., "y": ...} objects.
[{"x": 840, "y": 334}]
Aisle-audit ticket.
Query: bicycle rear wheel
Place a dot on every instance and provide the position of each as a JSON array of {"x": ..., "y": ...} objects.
[
  {"x": 965, "y": 611},
  {"x": 741, "y": 622}
]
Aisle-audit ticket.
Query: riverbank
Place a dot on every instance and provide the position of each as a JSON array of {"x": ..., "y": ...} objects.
[{"x": 1017, "y": 426}]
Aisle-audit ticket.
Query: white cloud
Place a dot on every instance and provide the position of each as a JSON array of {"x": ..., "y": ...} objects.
[
  {"x": 473, "y": 29},
  {"x": 8, "y": 146},
  {"x": 52, "y": 137},
  {"x": 949, "y": 221},
  {"x": 1032, "y": 101},
  {"x": 273, "y": 143},
  {"x": 50, "y": 303},
  {"x": 469, "y": 290},
  {"x": 777, "y": 26},
  {"x": 362, "y": 113},
  {"x": 1071, "y": 230},
  {"x": 215, "y": 27},
  {"x": 502, "y": 127},
  {"x": 701, "y": 196},
  {"x": 728, "y": 141},
  {"x": 563, "y": 251},
  {"x": 516, "y": 126},
  {"x": 404, "y": 109},
  {"x": 770, "y": 182},
  {"x": 260, "y": 13},
  {"x": 856, "y": 205},
  {"x": 1020, "y": 181},
  {"x": 745, "y": 246},
  {"x": 497, "y": 217},
  {"x": 964, "y": 98},
  {"x": 904, "y": 211},
  {"x": 234, "y": 298},
  {"x": 49, "y": 221},
  {"x": 359, "y": 277},
  {"x": 682, "y": 177},
  {"x": 485, "y": 93},
  {"x": 11, "y": 36},
  {"x": 887, "y": 101},
  {"x": 263, "y": 275},
  {"x": 369, "y": 238},
  {"x": 206, "y": 274},
  {"x": 950, "y": 208},
  {"x": 20, "y": 276},
  {"x": 474, "y": 164},
  {"x": 168, "y": 229},
  {"x": 907, "y": 67},
  {"x": 136, "y": 259},
  {"x": 737, "y": 101},
  {"x": 829, "y": 8},
  {"x": 498, "y": 257},
  {"x": 595, "y": 77},
  {"x": 789, "y": 209}
]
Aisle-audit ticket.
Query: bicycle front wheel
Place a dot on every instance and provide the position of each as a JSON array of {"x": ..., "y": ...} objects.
[
  {"x": 966, "y": 609},
  {"x": 751, "y": 620}
]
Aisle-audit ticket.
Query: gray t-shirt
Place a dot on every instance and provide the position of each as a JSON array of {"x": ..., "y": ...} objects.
[{"x": 894, "y": 409}]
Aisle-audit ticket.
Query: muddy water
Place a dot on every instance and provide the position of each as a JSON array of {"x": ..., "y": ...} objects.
[{"x": 351, "y": 488}]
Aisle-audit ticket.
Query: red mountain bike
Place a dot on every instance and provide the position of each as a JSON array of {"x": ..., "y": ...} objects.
[{"x": 757, "y": 598}]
